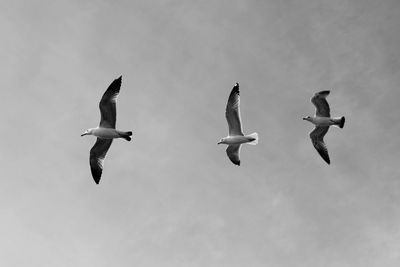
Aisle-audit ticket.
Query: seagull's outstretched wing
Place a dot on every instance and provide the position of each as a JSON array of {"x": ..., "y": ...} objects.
[
  {"x": 232, "y": 112},
  {"x": 317, "y": 139},
  {"x": 97, "y": 155},
  {"x": 322, "y": 106},
  {"x": 233, "y": 152},
  {"x": 107, "y": 105}
]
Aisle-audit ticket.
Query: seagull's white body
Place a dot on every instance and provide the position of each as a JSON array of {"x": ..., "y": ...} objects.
[
  {"x": 322, "y": 121},
  {"x": 236, "y": 136},
  {"x": 106, "y": 131},
  {"x": 238, "y": 139}
]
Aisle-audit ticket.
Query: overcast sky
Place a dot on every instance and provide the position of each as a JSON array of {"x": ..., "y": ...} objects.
[{"x": 171, "y": 197}]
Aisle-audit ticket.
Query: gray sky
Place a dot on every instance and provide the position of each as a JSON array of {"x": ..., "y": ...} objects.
[{"x": 172, "y": 197}]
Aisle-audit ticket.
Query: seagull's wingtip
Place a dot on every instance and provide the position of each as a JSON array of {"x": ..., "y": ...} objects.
[
  {"x": 235, "y": 89},
  {"x": 119, "y": 79},
  {"x": 324, "y": 92}
]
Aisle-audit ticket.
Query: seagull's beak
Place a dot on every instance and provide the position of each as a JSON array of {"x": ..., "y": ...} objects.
[
  {"x": 219, "y": 143},
  {"x": 304, "y": 118},
  {"x": 83, "y": 134}
]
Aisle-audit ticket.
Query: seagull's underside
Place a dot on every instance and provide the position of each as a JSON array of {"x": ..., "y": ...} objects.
[
  {"x": 109, "y": 133},
  {"x": 325, "y": 121},
  {"x": 237, "y": 139}
]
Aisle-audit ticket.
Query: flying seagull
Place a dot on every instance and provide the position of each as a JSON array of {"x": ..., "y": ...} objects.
[
  {"x": 236, "y": 136},
  {"x": 106, "y": 131},
  {"x": 322, "y": 120}
]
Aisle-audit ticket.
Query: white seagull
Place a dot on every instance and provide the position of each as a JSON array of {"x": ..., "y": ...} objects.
[
  {"x": 236, "y": 136},
  {"x": 106, "y": 131},
  {"x": 322, "y": 120}
]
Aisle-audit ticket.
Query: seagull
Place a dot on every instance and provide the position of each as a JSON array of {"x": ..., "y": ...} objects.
[
  {"x": 106, "y": 131},
  {"x": 322, "y": 120},
  {"x": 236, "y": 136}
]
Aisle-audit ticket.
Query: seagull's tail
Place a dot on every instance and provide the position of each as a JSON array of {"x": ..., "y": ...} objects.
[
  {"x": 339, "y": 122},
  {"x": 126, "y": 135},
  {"x": 254, "y": 138},
  {"x": 342, "y": 120}
]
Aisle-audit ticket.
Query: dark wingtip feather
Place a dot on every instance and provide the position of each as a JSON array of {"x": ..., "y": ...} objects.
[
  {"x": 324, "y": 154},
  {"x": 114, "y": 86},
  {"x": 96, "y": 173},
  {"x": 235, "y": 89},
  {"x": 237, "y": 163},
  {"x": 324, "y": 93},
  {"x": 96, "y": 176},
  {"x": 325, "y": 158},
  {"x": 118, "y": 80}
]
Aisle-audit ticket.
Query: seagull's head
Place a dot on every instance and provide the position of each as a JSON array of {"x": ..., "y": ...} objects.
[
  {"x": 87, "y": 132},
  {"x": 222, "y": 141},
  {"x": 308, "y": 118}
]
